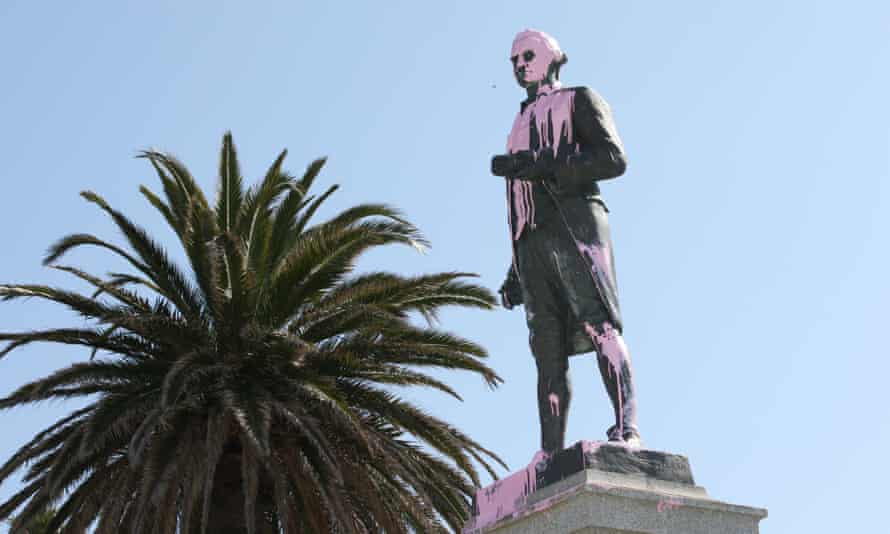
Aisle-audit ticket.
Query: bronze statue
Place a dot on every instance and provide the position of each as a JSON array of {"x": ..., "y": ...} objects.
[{"x": 563, "y": 142}]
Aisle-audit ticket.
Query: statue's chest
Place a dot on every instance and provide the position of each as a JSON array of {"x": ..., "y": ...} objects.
[{"x": 546, "y": 122}]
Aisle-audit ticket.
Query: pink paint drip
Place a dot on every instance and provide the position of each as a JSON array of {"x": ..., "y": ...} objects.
[
  {"x": 502, "y": 498},
  {"x": 552, "y": 115},
  {"x": 507, "y": 497},
  {"x": 554, "y": 404},
  {"x": 668, "y": 504},
  {"x": 610, "y": 345},
  {"x": 598, "y": 256},
  {"x": 554, "y": 109},
  {"x": 523, "y": 206}
]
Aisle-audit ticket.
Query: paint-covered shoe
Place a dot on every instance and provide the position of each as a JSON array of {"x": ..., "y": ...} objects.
[
  {"x": 633, "y": 440},
  {"x": 540, "y": 461},
  {"x": 629, "y": 437}
]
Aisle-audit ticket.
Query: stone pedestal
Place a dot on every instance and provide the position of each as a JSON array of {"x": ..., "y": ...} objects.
[{"x": 600, "y": 488}]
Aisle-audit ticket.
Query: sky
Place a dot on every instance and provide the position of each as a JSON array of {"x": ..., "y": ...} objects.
[{"x": 750, "y": 229}]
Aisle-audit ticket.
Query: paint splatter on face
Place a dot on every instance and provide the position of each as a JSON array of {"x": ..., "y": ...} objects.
[{"x": 532, "y": 54}]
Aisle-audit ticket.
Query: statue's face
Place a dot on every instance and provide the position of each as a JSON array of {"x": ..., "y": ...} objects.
[{"x": 531, "y": 57}]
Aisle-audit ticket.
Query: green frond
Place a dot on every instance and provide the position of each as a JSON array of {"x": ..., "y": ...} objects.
[
  {"x": 140, "y": 440},
  {"x": 398, "y": 376},
  {"x": 61, "y": 247},
  {"x": 250, "y": 409},
  {"x": 321, "y": 259},
  {"x": 9, "y": 506},
  {"x": 67, "y": 336},
  {"x": 177, "y": 196},
  {"x": 183, "y": 177},
  {"x": 44, "y": 441},
  {"x": 164, "y": 210},
  {"x": 255, "y": 219},
  {"x": 217, "y": 434},
  {"x": 207, "y": 261},
  {"x": 400, "y": 295},
  {"x": 228, "y": 206},
  {"x": 302, "y": 222},
  {"x": 86, "y": 307},
  {"x": 110, "y": 374},
  {"x": 285, "y": 216},
  {"x": 111, "y": 287},
  {"x": 114, "y": 421},
  {"x": 125, "y": 279},
  {"x": 239, "y": 282},
  {"x": 308, "y": 178},
  {"x": 160, "y": 269}
]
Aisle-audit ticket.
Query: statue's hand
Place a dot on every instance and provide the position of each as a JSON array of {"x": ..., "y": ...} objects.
[
  {"x": 538, "y": 167},
  {"x": 525, "y": 165},
  {"x": 510, "y": 165},
  {"x": 510, "y": 291}
]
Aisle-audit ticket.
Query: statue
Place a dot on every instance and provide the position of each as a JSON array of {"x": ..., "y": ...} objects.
[{"x": 563, "y": 142}]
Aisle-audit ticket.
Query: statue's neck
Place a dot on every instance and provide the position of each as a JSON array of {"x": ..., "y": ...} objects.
[{"x": 542, "y": 88}]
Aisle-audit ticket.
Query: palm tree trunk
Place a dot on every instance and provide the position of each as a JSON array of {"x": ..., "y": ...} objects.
[{"x": 227, "y": 500}]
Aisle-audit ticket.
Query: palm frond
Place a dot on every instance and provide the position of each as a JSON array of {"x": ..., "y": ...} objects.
[{"x": 228, "y": 206}]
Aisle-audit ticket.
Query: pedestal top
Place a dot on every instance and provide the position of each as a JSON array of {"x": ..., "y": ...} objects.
[{"x": 651, "y": 479}]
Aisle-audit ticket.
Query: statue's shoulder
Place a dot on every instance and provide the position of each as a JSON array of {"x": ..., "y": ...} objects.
[
  {"x": 587, "y": 99},
  {"x": 583, "y": 92}
]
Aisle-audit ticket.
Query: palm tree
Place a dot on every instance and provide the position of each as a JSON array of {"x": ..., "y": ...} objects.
[
  {"x": 39, "y": 524},
  {"x": 253, "y": 392}
]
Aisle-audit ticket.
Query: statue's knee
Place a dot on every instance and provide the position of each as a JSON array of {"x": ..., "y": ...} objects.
[
  {"x": 544, "y": 335},
  {"x": 608, "y": 342}
]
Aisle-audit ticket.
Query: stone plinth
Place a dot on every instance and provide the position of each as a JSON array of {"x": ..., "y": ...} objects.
[{"x": 599, "y": 488}]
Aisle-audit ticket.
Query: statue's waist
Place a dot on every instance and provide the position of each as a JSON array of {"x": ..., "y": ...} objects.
[{"x": 549, "y": 207}]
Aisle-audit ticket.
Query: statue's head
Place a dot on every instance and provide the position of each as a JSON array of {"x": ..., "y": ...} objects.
[{"x": 536, "y": 58}]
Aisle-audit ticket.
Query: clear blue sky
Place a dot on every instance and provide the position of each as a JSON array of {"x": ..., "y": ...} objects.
[{"x": 751, "y": 229}]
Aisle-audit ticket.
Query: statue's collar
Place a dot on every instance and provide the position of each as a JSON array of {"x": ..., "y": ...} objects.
[{"x": 543, "y": 89}]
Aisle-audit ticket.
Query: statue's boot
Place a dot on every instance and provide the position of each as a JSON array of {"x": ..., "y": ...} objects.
[
  {"x": 616, "y": 371},
  {"x": 620, "y": 388}
]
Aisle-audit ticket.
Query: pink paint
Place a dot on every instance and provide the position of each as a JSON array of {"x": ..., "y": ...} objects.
[
  {"x": 507, "y": 498},
  {"x": 554, "y": 404},
  {"x": 668, "y": 504},
  {"x": 553, "y": 107},
  {"x": 610, "y": 345},
  {"x": 523, "y": 205},
  {"x": 504, "y": 497},
  {"x": 590, "y": 447},
  {"x": 546, "y": 51},
  {"x": 599, "y": 258},
  {"x": 553, "y": 116},
  {"x": 551, "y": 113}
]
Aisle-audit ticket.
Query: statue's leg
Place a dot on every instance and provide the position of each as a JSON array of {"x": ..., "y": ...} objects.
[
  {"x": 613, "y": 358},
  {"x": 617, "y": 374},
  {"x": 546, "y": 311},
  {"x": 554, "y": 388}
]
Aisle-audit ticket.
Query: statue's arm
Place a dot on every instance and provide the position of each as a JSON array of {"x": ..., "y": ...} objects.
[
  {"x": 601, "y": 154},
  {"x": 510, "y": 291}
]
